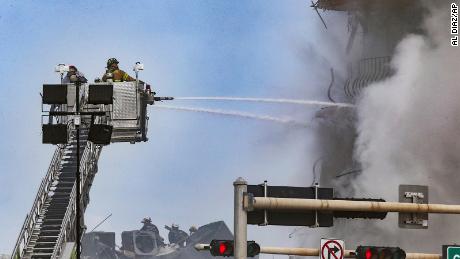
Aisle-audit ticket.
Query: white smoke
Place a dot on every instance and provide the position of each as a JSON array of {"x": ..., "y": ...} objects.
[
  {"x": 408, "y": 133},
  {"x": 409, "y": 125},
  {"x": 409, "y": 130}
]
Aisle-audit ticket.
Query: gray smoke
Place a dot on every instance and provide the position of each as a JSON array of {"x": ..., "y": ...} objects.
[
  {"x": 409, "y": 131},
  {"x": 409, "y": 124}
]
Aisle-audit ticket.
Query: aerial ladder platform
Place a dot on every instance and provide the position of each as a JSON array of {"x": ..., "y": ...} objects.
[{"x": 104, "y": 113}]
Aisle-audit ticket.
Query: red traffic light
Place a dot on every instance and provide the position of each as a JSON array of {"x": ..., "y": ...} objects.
[
  {"x": 226, "y": 248},
  {"x": 378, "y": 252},
  {"x": 368, "y": 253},
  {"x": 221, "y": 247}
]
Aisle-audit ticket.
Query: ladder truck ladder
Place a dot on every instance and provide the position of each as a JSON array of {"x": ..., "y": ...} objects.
[{"x": 51, "y": 223}]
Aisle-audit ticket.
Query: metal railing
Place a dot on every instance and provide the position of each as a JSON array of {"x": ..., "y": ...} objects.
[
  {"x": 367, "y": 71},
  {"x": 34, "y": 214},
  {"x": 65, "y": 225},
  {"x": 89, "y": 157},
  {"x": 88, "y": 169},
  {"x": 88, "y": 162}
]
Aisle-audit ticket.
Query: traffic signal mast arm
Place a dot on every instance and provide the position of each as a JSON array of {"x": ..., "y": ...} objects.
[
  {"x": 299, "y": 251},
  {"x": 251, "y": 203}
]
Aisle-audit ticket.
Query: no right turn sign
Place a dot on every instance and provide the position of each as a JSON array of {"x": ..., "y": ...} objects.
[{"x": 333, "y": 249}]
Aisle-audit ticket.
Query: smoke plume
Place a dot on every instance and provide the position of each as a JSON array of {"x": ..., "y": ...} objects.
[
  {"x": 409, "y": 130},
  {"x": 409, "y": 125}
]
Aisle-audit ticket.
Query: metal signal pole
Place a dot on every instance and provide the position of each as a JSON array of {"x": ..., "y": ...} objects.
[
  {"x": 77, "y": 173},
  {"x": 240, "y": 219},
  {"x": 263, "y": 203},
  {"x": 302, "y": 251}
]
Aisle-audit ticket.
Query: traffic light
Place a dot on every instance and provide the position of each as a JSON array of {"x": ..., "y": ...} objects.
[
  {"x": 291, "y": 218},
  {"x": 253, "y": 249},
  {"x": 226, "y": 248},
  {"x": 378, "y": 252},
  {"x": 221, "y": 247}
]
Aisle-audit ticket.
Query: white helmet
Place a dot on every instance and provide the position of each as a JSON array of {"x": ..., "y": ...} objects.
[{"x": 146, "y": 220}]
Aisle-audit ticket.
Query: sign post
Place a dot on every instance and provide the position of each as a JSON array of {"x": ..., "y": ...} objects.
[
  {"x": 240, "y": 218},
  {"x": 417, "y": 194}
]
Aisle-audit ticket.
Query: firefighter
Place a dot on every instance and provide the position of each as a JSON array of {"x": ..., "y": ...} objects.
[
  {"x": 73, "y": 76},
  {"x": 177, "y": 236},
  {"x": 148, "y": 226},
  {"x": 190, "y": 238},
  {"x": 192, "y": 230},
  {"x": 115, "y": 74}
]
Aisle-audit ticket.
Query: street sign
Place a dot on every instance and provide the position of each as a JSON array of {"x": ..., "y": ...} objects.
[
  {"x": 333, "y": 249},
  {"x": 413, "y": 194},
  {"x": 451, "y": 252}
]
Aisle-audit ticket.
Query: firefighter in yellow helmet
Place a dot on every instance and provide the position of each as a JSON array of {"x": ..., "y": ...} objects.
[{"x": 115, "y": 74}]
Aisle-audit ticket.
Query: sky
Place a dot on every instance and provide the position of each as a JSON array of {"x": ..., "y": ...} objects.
[{"x": 184, "y": 173}]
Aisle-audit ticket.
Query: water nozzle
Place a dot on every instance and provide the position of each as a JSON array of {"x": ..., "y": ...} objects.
[{"x": 163, "y": 98}]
